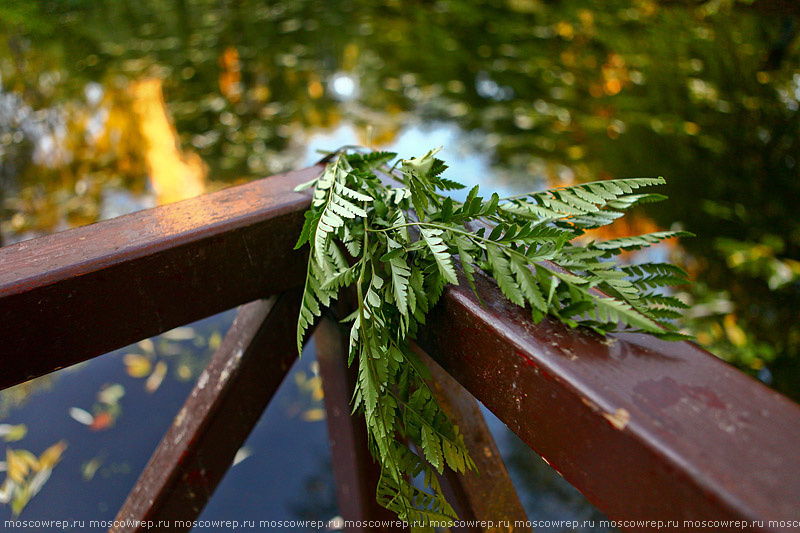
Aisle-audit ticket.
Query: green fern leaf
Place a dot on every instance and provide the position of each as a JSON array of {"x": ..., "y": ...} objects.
[
  {"x": 639, "y": 241},
  {"x": 431, "y": 449},
  {"x": 398, "y": 278},
  {"x": 400, "y": 281},
  {"x": 527, "y": 283},
  {"x": 433, "y": 238},
  {"x": 499, "y": 266}
]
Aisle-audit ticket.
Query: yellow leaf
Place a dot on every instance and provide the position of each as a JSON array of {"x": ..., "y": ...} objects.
[
  {"x": 17, "y": 469},
  {"x": 215, "y": 340},
  {"x": 21, "y": 498},
  {"x": 184, "y": 373},
  {"x": 13, "y": 433},
  {"x": 735, "y": 334},
  {"x": 154, "y": 381},
  {"x": 138, "y": 366},
  {"x": 314, "y": 415},
  {"x": 28, "y": 458},
  {"x": 110, "y": 394},
  {"x": 314, "y": 384},
  {"x": 52, "y": 455}
]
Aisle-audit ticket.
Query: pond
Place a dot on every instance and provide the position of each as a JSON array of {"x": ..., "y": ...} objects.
[{"x": 107, "y": 109}]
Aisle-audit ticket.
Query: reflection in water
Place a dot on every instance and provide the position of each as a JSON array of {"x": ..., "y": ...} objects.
[
  {"x": 174, "y": 175},
  {"x": 26, "y": 474},
  {"x": 112, "y": 410}
]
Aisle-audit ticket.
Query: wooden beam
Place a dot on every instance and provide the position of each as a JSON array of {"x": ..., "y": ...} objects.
[
  {"x": 487, "y": 497},
  {"x": 74, "y": 295},
  {"x": 646, "y": 429},
  {"x": 216, "y": 419}
]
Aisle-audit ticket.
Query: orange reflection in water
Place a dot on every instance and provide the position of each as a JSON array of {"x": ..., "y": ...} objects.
[{"x": 174, "y": 174}]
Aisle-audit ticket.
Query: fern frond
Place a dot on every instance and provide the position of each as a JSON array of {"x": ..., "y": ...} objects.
[
  {"x": 499, "y": 266},
  {"x": 399, "y": 278},
  {"x": 526, "y": 281},
  {"x": 639, "y": 241},
  {"x": 371, "y": 160},
  {"x": 664, "y": 300},
  {"x": 583, "y": 201},
  {"x": 314, "y": 297},
  {"x": 431, "y": 446},
  {"x": 433, "y": 238},
  {"x": 450, "y": 185},
  {"x": 611, "y": 311}
]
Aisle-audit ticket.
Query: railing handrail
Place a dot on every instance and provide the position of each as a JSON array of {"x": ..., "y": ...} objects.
[
  {"x": 74, "y": 295},
  {"x": 648, "y": 430}
]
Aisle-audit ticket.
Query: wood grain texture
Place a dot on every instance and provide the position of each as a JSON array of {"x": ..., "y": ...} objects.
[
  {"x": 488, "y": 495},
  {"x": 74, "y": 295},
  {"x": 646, "y": 429}
]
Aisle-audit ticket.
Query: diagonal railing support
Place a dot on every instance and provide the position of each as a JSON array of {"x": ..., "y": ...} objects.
[
  {"x": 222, "y": 409},
  {"x": 488, "y": 495}
]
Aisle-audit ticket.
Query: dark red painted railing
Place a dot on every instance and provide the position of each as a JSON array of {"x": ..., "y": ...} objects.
[{"x": 647, "y": 430}]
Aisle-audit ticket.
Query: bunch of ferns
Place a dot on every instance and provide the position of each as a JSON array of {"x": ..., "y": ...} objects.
[{"x": 400, "y": 245}]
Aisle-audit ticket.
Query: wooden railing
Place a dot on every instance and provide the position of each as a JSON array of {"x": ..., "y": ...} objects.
[{"x": 646, "y": 429}]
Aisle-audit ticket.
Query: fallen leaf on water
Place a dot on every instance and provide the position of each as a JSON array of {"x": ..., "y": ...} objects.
[
  {"x": 28, "y": 458},
  {"x": 11, "y": 433},
  {"x": 111, "y": 394},
  {"x": 317, "y": 394},
  {"x": 184, "y": 373},
  {"x": 6, "y": 490},
  {"x": 137, "y": 366},
  {"x": 147, "y": 346},
  {"x": 27, "y": 474},
  {"x": 179, "y": 334},
  {"x": 52, "y": 455},
  {"x": 82, "y": 416},
  {"x": 215, "y": 340},
  {"x": 102, "y": 421},
  {"x": 167, "y": 347},
  {"x": 156, "y": 378},
  {"x": 38, "y": 480},
  {"x": 17, "y": 467},
  {"x": 313, "y": 415},
  {"x": 241, "y": 454},
  {"x": 22, "y": 495},
  {"x": 90, "y": 467}
]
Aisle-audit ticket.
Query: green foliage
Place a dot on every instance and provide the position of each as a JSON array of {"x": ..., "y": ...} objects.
[{"x": 405, "y": 243}]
